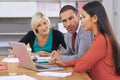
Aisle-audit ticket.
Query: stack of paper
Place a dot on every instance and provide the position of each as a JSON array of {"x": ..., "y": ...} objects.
[
  {"x": 41, "y": 60},
  {"x": 55, "y": 74},
  {"x": 19, "y": 77}
]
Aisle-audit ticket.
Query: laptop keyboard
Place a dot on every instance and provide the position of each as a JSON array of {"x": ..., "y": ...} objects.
[{"x": 40, "y": 67}]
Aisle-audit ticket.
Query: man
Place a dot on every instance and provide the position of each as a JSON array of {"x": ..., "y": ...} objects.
[{"x": 71, "y": 21}]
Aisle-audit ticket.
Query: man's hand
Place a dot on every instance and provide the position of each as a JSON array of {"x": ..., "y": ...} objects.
[
  {"x": 43, "y": 53},
  {"x": 56, "y": 54}
]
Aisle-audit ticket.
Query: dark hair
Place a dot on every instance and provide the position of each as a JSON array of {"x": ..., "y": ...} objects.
[
  {"x": 68, "y": 7},
  {"x": 96, "y": 8}
]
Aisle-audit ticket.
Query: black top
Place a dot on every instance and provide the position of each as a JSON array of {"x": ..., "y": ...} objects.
[{"x": 58, "y": 39}]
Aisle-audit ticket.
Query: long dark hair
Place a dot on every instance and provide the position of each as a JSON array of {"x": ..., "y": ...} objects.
[{"x": 96, "y": 8}]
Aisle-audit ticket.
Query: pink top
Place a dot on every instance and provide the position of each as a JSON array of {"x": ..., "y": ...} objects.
[{"x": 98, "y": 59}]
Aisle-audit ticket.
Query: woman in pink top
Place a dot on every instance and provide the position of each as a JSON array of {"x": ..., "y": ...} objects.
[{"x": 103, "y": 58}]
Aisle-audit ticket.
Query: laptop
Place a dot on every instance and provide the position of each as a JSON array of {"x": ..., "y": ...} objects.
[{"x": 26, "y": 61}]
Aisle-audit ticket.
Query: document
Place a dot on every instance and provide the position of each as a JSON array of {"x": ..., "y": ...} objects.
[
  {"x": 19, "y": 77},
  {"x": 41, "y": 60},
  {"x": 55, "y": 74}
]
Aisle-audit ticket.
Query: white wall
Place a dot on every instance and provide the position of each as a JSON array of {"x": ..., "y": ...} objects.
[
  {"x": 17, "y": 9},
  {"x": 108, "y": 4},
  {"x": 117, "y": 18},
  {"x": 113, "y": 10}
]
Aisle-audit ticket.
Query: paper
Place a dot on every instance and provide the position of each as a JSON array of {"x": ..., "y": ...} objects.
[
  {"x": 20, "y": 77},
  {"x": 44, "y": 58},
  {"x": 55, "y": 74},
  {"x": 41, "y": 59}
]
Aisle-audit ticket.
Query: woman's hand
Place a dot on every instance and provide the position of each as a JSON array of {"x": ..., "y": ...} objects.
[
  {"x": 43, "y": 53},
  {"x": 57, "y": 61},
  {"x": 60, "y": 63}
]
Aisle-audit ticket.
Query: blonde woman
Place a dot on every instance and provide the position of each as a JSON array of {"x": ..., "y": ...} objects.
[{"x": 43, "y": 39}]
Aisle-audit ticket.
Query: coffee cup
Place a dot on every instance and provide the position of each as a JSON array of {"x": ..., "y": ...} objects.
[{"x": 12, "y": 64}]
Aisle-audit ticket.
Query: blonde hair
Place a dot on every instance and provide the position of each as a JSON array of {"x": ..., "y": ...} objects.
[{"x": 36, "y": 19}]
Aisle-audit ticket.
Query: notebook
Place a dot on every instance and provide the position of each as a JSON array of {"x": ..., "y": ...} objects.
[{"x": 26, "y": 61}]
